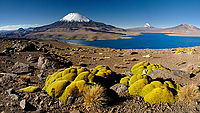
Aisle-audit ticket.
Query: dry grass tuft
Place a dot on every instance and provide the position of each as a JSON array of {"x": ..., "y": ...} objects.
[
  {"x": 189, "y": 93},
  {"x": 95, "y": 96}
]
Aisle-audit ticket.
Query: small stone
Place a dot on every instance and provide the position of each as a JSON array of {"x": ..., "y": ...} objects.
[
  {"x": 36, "y": 98},
  {"x": 75, "y": 111},
  {"x": 27, "y": 106},
  {"x": 70, "y": 100},
  {"x": 40, "y": 76},
  {"x": 61, "y": 103},
  {"x": 1, "y": 79},
  {"x": 1, "y": 105},
  {"x": 10, "y": 91},
  {"x": 14, "y": 96},
  {"x": 23, "y": 104},
  {"x": 129, "y": 73},
  {"x": 119, "y": 88},
  {"x": 147, "y": 56},
  {"x": 43, "y": 95}
]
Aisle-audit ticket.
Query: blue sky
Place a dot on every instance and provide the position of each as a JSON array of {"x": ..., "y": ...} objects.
[{"x": 120, "y": 13}]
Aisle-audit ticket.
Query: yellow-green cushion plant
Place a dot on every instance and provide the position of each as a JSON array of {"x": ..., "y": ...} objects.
[
  {"x": 170, "y": 84},
  {"x": 153, "y": 67},
  {"x": 149, "y": 87},
  {"x": 52, "y": 79},
  {"x": 145, "y": 68},
  {"x": 81, "y": 69},
  {"x": 30, "y": 89},
  {"x": 138, "y": 68},
  {"x": 102, "y": 71},
  {"x": 66, "y": 82},
  {"x": 58, "y": 87},
  {"x": 177, "y": 52},
  {"x": 136, "y": 87},
  {"x": 74, "y": 89},
  {"x": 87, "y": 76},
  {"x": 156, "y": 83},
  {"x": 68, "y": 77},
  {"x": 160, "y": 95},
  {"x": 178, "y": 87},
  {"x": 69, "y": 70},
  {"x": 82, "y": 76},
  {"x": 134, "y": 78},
  {"x": 125, "y": 80}
]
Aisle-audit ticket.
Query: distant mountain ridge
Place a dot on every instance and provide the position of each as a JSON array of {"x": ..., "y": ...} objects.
[
  {"x": 71, "y": 26},
  {"x": 182, "y": 28},
  {"x": 146, "y": 27}
]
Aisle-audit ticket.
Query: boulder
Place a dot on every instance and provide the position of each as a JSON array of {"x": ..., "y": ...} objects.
[
  {"x": 178, "y": 76},
  {"x": 119, "y": 88},
  {"x": 24, "y": 46}
]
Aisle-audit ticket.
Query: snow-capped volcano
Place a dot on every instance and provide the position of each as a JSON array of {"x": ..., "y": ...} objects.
[
  {"x": 75, "y": 17},
  {"x": 72, "y": 26},
  {"x": 147, "y": 25}
]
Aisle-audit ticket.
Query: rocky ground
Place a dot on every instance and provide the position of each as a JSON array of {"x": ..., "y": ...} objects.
[{"x": 29, "y": 62}]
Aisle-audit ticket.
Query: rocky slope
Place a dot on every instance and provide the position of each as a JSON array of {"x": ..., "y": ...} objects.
[{"x": 28, "y": 63}]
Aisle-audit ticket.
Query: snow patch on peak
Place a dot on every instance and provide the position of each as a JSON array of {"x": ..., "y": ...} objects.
[
  {"x": 75, "y": 17},
  {"x": 147, "y": 25}
]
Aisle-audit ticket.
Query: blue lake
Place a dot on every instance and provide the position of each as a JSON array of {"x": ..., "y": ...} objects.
[{"x": 143, "y": 41}]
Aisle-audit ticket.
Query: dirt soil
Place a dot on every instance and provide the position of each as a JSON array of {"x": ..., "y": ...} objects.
[{"x": 119, "y": 60}]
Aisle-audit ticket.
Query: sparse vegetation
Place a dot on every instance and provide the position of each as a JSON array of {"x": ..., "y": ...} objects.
[
  {"x": 189, "y": 93},
  {"x": 30, "y": 89},
  {"x": 95, "y": 96}
]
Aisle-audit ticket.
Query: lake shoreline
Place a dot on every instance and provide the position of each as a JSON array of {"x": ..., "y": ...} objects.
[{"x": 141, "y": 41}]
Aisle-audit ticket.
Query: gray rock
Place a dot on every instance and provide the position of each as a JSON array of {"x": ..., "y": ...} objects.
[
  {"x": 119, "y": 88},
  {"x": 21, "y": 68},
  {"x": 178, "y": 76},
  {"x": 43, "y": 62}
]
